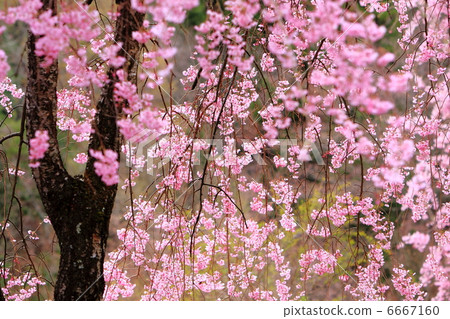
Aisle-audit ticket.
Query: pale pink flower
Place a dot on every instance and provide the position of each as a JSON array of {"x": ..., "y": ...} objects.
[
  {"x": 106, "y": 166},
  {"x": 38, "y": 146},
  {"x": 81, "y": 158},
  {"x": 418, "y": 240}
]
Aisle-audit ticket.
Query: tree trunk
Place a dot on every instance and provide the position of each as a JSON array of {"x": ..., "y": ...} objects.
[{"x": 79, "y": 207}]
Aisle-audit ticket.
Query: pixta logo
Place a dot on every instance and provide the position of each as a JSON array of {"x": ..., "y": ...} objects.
[{"x": 145, "y": 149}]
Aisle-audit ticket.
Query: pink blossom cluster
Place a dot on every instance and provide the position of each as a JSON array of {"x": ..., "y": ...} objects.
[
  {"x": 75, "y": 113},
  {"x": 19, "y": 288},
  {"x": 4, "y": 66},
  {"x": 106, "y": 166},
  {"x": 418, "y": 240},
  {"x": 38, "y": 146},
  {"x": 5, "y": 101},
  {"x": 55, "y": 31},
  {"x": 404, "y": 284}
]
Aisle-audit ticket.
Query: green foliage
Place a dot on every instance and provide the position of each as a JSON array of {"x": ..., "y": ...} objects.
[
  {"x": 389, "y": 19},
  {"x": 197, "y": 15}
]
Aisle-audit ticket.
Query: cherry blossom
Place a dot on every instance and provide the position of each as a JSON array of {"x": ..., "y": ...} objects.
[
  {"x": 38, "y": 146},
  {"x": 106, "y": 166}
]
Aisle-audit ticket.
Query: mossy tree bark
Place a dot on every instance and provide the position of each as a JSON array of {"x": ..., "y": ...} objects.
[{"x": 79, "y": 207}]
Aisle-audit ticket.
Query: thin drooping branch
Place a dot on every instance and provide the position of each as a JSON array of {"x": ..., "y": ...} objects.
[{"x": 7, "y": 137}]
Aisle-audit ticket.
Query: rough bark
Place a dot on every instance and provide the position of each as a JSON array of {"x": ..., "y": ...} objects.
[{"x": 79, "y": 207}]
